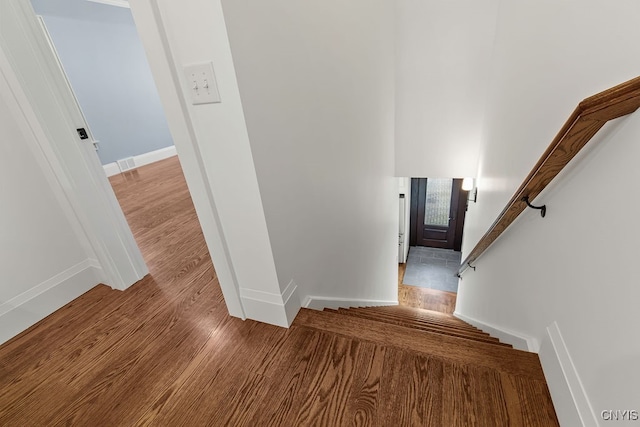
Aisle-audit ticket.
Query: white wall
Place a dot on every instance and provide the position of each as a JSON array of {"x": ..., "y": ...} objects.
[
  {"x": 104, "y": 60},
  {"x": 34, "y": 227},
  {"x": 443, "y": 59},
  {"x": 44, "y": 261},
  {"x": 94, "y": 245},
  {"x": 316, "y": 80},
  {"x": 576, "y": 265}
]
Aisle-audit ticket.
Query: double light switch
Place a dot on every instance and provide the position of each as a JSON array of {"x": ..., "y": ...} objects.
[{"x": 201, "y": 81}]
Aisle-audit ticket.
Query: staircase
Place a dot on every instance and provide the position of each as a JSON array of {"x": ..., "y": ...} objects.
[{"x": 439, "y": 370}]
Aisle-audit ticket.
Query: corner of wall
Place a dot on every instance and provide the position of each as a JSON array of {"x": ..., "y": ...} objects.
[
  {"x": 275, "y": 309},
  {"x": 568, "y": 395},
  {"x": 517, "y": 340},
  {"x": 33, "y": 305},
  {"x": 142, "y": 159}
]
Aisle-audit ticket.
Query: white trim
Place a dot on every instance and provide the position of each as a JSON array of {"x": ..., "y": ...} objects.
[
  {"x": 31, "y": 306},
  {"x": 320, "y": 303},
  {"x": 567, "y": 392},
  {"x": 75, "y": 167},
  {"x": 143, "y": 159},
  {"x": 275, "y": 309},
  {"x": 261, "y": 296},
  {"x": 153, "y": 34},
  {"x": 46, "y": 285},
  {"x": 155, "y": 156},
  {"x": 118, "y": 3},
  {"x": 289, "y": 290},
  {"x": 111, "y": 169},
  {"x": 516, "y": 339},
  {"x": 291, "y": 302}
]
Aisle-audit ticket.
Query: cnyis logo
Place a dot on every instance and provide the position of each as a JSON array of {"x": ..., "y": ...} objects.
[{"x": 620, "y": 415}]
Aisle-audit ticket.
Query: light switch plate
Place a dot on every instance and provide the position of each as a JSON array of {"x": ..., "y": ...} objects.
[{"x": 201, "y": 82}]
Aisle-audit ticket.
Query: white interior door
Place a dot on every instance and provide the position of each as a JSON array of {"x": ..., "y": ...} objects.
[
  {"x": 91, "y": 139},
  {"x": 44, "y": 96}
]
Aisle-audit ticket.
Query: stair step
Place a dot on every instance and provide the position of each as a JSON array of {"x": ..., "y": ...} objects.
[
  {"x": 470, "y": 335},
  {"x": 415, "y": 321},
  {"x": 408, "y": 322},
  {"x": 430, "y": 314},
  {"x": 461, "y": 350},
  {"x": 420, "y": 323},
  {"x": 434, "y": 316},
  {"x": 426, "y": 318},
  {"x": 452, "y": 323}
]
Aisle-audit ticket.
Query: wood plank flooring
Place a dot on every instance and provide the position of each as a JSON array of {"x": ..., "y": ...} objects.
[{"x": 165, "y": 352}]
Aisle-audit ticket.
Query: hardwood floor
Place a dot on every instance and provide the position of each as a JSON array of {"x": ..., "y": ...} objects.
[
  {"x": 425, "y": 298},
  {"x": 165, "y": 353}
]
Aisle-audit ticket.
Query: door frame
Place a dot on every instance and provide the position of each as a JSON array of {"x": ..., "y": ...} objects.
[
  {"x": 70, "y": 164},
  {"x": 74, "y": 166}
]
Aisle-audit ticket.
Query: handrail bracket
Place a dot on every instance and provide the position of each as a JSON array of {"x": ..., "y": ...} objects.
[{"x": 543, "y": 208}]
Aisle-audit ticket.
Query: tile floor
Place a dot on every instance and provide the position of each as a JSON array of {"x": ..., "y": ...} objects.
[{"x": 432, "y": 268}]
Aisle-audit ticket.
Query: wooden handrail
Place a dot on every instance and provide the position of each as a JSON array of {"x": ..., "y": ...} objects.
[{"x": 585, "y": 121}]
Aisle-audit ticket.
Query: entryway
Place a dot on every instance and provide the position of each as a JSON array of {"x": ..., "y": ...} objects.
[
  {"x": 438, "y": 207},
  {"x": 433, "y": 268}
]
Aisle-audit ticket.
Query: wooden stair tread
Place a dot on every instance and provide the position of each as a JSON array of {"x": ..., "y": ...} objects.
[
  {"x": 475, "y": 336},
  {"x": 413, "y": 321},
  {"x": 420, "y": 312},
  {"x": 418, "y": 317},
  {"x": 453, "y": 323},
  {"x": 464, "y": 351}
]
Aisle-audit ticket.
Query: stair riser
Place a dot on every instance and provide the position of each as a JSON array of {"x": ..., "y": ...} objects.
[
  {"x": 417, "y": 321},
  {"x": 436, "y": 315},
  {"x": 453, "y": 325},
  {"x": 452, "y": 322},
  {"x": 419, "y": 312},
  {"x": 475, "y": 337}
]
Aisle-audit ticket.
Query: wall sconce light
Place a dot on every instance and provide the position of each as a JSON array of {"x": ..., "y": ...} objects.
[{"x": 469, "y": 185}]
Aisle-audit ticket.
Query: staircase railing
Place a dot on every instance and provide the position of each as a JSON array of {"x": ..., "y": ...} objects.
[{"x": 585, "y": 121}]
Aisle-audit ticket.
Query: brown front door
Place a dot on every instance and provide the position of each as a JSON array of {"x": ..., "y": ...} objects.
[{"x": 438, "y": 212}]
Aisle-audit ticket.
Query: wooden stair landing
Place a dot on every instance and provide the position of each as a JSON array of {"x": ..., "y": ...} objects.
[{"x": 437, "y": 370}]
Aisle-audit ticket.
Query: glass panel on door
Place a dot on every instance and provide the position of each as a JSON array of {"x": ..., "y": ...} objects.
[{"x": 438, "y": 201}]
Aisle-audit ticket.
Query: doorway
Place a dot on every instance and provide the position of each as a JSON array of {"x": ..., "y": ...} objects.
[
  {"x": 438, "y": 207},
  {"x": 101, "y": 59},
  {"x": 437, "y": 213}
]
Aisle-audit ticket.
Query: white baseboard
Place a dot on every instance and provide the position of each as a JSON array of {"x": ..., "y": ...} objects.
[
  {"x": 320, "y": 303},
  {"x": 33, "y": 305},
  {"x": 143, "y": 159},
  {"x": 517, "y": 340},
  {"x": 275, "y": 309},
  {"x": 111, "y": 169},
  {"x": 568, "y": 395}
]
